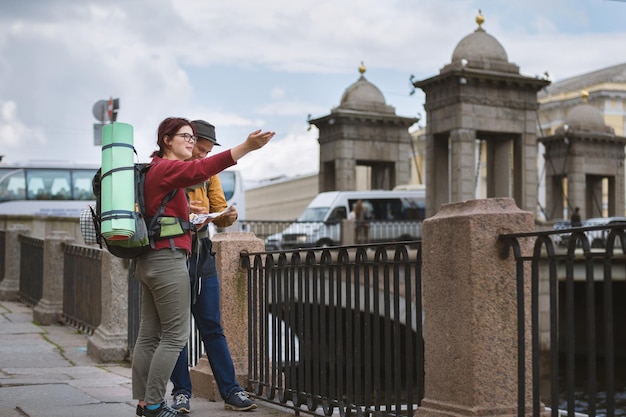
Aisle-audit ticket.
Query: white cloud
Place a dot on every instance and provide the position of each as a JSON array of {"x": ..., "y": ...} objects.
[
  {"x": 290, "y": 108},
  {"x": 296, "y": 154},
  {"x": 542, "y": 24},
  {"x": 244, "y": 67},
  {"x": 577, "y": 54},
  {"x": 13, "y": 131},
  {"x": 277, "y": 93}
]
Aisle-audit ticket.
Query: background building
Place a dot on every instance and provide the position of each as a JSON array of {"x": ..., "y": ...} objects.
[
  {"x": 503, "y": 120},
  {"x": 583, "y": 122},
  {"x": 281, "y": 198}
]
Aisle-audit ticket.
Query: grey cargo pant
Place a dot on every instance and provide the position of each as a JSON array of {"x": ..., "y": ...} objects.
[{"x": 164, "y": 327}]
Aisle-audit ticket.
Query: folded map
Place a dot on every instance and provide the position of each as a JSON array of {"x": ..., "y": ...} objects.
[{"x": 201, "y": 218}]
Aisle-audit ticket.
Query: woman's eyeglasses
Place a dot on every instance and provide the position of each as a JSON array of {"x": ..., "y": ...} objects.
[{"x": 188, "y": 137}]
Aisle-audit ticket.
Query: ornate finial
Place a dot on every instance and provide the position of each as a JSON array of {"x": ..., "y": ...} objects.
[
  {"x": 480, "y": 19},
  {"x": 362, "y": 68},
  {"x": 585, "y": 95}
]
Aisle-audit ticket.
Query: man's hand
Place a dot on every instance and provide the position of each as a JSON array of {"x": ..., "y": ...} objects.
[
  {"x": 231, "y": 215},
  {"x": 196, "y": 207}
]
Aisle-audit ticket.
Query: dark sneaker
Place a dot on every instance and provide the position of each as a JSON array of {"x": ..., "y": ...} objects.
[
  {"x": 181, "y": 403},
  {"x": 163, "y": 411},
  {"x": 139, "y": 412},
  {"x": 239, "y": 401}
]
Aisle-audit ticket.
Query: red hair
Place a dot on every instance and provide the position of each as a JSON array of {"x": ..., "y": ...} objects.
[{"x": 169, "y": 127}]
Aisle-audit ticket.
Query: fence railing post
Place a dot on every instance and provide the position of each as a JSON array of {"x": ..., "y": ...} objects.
[
  {"x": 470, "y": 310},
  {"x": 234, "y": 309},
  {"x": 109, "y": 342},
  {"x": 10, "y": 285},
  {"x": 50, "y": 307}
]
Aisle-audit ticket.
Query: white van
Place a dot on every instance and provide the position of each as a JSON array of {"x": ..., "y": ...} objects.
[{"x": 394, "y": 216}]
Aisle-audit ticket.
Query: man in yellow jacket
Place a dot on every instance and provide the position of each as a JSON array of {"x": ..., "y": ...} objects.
[{"x": 208, "y": 197}]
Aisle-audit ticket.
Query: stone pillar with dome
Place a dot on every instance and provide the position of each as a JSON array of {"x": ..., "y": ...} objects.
[
  {"x": 363, "y": 131},
  {"x": 584, "y": 165},
  {"x": 480, "y": 102}
]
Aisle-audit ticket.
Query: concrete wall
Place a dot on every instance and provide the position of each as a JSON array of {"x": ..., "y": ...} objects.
[{"x": 42, "y": 226}]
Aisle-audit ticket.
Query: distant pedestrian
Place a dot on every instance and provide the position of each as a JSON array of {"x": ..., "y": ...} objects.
[
  {"x": 360, "y": 215},
  {"x": 575, "y": 220}
]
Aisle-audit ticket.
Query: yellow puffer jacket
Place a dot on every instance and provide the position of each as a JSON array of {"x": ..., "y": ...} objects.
[{"x": 212, "y": 197}]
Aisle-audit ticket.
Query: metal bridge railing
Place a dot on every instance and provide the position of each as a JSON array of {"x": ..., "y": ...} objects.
[
  {"x": 337, "y": 329},
  {"x": 82, "y": 287},
  {"x": 31, "y": 270},
  {"x": 574, "y": 371}
]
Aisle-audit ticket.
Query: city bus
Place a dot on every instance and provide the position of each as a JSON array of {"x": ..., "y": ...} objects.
[
  {"x": 232, "y": 184},
  {"x": 235, "y": 195},
  {"x": 57, "y": 189},
  {"x": 48, "y": 189}
]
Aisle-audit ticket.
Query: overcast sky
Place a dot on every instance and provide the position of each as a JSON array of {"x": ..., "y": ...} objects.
[{"x": 249, "y": 64}]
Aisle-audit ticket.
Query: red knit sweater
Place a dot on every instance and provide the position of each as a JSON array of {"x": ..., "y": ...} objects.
[{"x": 165, "y": 175}]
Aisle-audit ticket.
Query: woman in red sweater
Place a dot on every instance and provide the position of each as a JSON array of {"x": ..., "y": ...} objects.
[{"x": 164, "y": 327}]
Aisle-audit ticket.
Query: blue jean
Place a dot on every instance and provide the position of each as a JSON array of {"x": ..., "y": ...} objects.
[{"x": 206, "y": 312}]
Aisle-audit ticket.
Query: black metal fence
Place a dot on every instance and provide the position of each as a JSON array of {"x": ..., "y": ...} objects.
[
  {"x": 264, "y": 228},
  {"x": 337, "y": 329},
  {"x": 31, "y": 269},
  {"x": 280, "y": 235},
  {"x": 577, "y": 373},
  {"x": 340, "y": 328},
  {"x": 82, "y": 287}
]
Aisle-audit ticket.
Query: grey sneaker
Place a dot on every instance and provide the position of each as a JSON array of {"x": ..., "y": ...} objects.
[
  {"x": 163, "y": 411},
  {"x": 181, "y": 403},
  {"x": 239, "y": 401}
]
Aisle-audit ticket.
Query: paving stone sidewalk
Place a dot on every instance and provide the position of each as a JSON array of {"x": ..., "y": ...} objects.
[{"x": 45, "y": 372}]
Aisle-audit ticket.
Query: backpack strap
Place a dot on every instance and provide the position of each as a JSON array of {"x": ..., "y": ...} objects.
[
  {"x": 111, "y": 171},
  {"x": 153, "y": 223},
  {"x": 154, "y": 220},
  {"x": 117, "y": 214},
  {"x": 185, "y": 224},
  {"x": 124, "y": 168},
  {"x": 96, "y": 225}
]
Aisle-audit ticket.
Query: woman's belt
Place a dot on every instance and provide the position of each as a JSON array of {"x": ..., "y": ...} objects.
[{"x": 202, "y": 234}]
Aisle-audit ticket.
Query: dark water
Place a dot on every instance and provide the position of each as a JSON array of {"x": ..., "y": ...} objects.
[
  {"x": 581, "y": 398},
  {"x": 581, "y": 404}
]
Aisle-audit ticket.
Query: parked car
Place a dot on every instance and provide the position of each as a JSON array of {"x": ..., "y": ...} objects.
[{"x": 597, "y": 238}]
